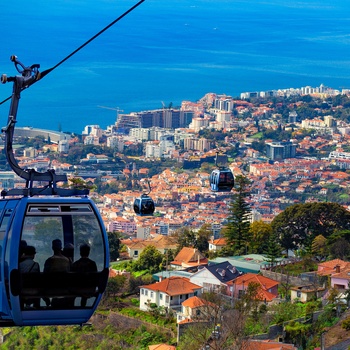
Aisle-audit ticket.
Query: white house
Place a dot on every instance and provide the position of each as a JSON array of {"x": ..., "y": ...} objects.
[
  {"x": 168, "y": 293},
  {"x": 215, "y": 277}
]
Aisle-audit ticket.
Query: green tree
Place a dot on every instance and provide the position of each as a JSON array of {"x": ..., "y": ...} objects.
[
  {"x": 319, "y": 246},
  {"x": 298, "y": 333},
  {"x": 273, "y": 249},
  {"x": 150, "y": 259},
  {"x": 114, "y": 245},
  {"x": 340, "y": 249},
  {"x": 298, "y": 221},
  {"x": 184, "y": 238},
  {"x": 203, "y": 236},
  {"x": 237, "y": 229},
  {"x": 114, "y": 286},
  {"x": 260, "y": 233}
]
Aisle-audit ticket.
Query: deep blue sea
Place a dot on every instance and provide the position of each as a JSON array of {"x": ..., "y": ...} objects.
[{"x": 166, "y": 51}]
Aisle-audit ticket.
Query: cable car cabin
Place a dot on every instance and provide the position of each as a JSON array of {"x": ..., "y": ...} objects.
[
  {"x": 221, "y": 180},
  {"x": 144, "y": 205},
  {"x": 54, "y": 260}
]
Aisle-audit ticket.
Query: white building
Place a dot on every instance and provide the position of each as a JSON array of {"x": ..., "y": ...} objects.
[{"x": 169, "y": 293}]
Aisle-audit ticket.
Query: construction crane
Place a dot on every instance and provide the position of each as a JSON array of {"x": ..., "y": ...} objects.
[{"x": 113, "y": 109}]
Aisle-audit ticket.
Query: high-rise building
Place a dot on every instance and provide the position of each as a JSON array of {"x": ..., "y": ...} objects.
[
  {"x": 280, "y": 150},
  {"x": 164, "y": 118}
]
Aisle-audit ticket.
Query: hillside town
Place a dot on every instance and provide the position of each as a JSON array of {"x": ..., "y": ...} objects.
[{"x": 292, "y": 147}]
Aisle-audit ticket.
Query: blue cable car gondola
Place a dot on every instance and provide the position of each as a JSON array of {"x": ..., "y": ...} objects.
[
  {"x": 39, "y": 285},
  {"x": 221, "y": 179},
  {"x": 144, "y": 205}
]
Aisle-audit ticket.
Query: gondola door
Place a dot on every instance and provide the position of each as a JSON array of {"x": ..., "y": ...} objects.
[{"x": 7, "y": 211}]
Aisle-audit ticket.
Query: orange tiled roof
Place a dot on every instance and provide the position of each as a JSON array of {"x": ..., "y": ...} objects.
[
  {"x": 345, "y": 274},
  {"x": 194, "y": 302},
  {"x": 268, "y": 345},
  {"x": 328, "y": 267},
  {"x": 252, "y": 277},
  {"x": 161, "y": 347},
  {"x": 264, "y": 282},
  {"x": 220, "y": 241},
  {"x": 186, "y": 320},
  {"x": 174, "y": 286},
  {"x": 187, "y": 255}
]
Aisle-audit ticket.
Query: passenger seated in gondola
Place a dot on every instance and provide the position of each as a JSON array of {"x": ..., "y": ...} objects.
[
  {"x": 28, "y": 265},
  {"x": 57, "y": 262},
  {"x": 85, "y": 265},
  {"x": 68, "y": 252}
]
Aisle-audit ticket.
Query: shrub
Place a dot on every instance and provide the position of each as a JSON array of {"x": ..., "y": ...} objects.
[{"x": 346, "y": 324}]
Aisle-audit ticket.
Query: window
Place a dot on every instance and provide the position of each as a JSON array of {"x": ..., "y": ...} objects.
[
  {"x": 161, "y": 296},
  {"x": 142, "y": 291},
  {"x": 146, "y": 292},
  {"x": 298, "y": 294},
  {"x": 167, "y": 299},
  {"x": 180, "y": 296},
  {"x": 151, "y": 294},
  {"x": 136, "y": 253}
]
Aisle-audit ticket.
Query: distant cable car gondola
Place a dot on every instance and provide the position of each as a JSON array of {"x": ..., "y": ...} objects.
[
  {"x": 144, "y": 205},
  {"x": 221, "y": 179}
]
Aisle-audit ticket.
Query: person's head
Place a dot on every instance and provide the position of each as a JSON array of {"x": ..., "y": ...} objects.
[
  {"x": 68, "y": 250},
  {"x": 29, "y": 251},
  {"x": 56, "y": 245},
  {"x": 84, "y": 250}
]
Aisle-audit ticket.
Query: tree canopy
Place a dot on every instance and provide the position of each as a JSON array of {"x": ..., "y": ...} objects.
[
  {"x": 237, "y": 231},
  {"x": 300, "y": 221}
]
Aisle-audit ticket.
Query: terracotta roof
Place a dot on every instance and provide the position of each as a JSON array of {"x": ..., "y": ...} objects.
[
  {"x": 328, "y": 267},
  {"x": 161, "y": 347},
  {"x": 194, "y": 302},
  {"x": 189, "y": 256},
  {"x": 220, "y": 241},
  {"x": 186, "y": 320},
  {"x": 252, "y": 277},
  {"x": 174, "y": 286},
  {"x": 265, "y": 284},
  {"x": 268, "y": 345},
  {"x": 345, "y": 274}
]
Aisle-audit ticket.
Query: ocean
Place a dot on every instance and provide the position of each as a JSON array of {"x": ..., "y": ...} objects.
[{"x": 166, "y": 52}]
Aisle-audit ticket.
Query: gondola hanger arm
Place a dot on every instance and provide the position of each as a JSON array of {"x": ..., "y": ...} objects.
[{"x": 28, "y": 76}]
